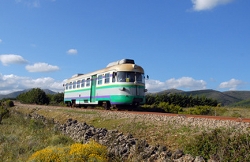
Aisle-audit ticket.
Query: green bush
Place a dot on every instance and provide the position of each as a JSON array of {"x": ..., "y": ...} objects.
[
  {"x": 201, "y": 110},
  {"x": 9, "y": 103},
  {"x": 170, "y": 108},
  {"x": 34, "y": 96},
  {"x": 222, "y": 145},
  {"x": 60, "y": 140},
  {"x": 4, "y": 112}
]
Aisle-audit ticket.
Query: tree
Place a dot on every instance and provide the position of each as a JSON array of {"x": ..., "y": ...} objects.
[
  {"x": 34, "y": 96},
  {"x": 56, "y": 99}
]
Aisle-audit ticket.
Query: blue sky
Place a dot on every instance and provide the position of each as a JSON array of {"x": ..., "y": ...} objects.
[{"x": 187, "y": 45}]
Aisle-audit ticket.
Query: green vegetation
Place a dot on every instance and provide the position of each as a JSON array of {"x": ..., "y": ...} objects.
[
  {"x": 34, "y": 96},
  {"x": 39, "y": 97},
  {"x": 3, "y": 113},
  {"x": 56, "y": 99},
  {"x": 244, "y": 103},
  {"x": 224, "y": 145},
  {"x": 180, "y": 100},
  {"x": 4, "y": 105},
  {"x": 33, "y": 138},
  {"x": 21, "y": 137},
  {"x": 180, "y": 104}
]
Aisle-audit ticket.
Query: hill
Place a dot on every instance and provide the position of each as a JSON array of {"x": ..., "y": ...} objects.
[
  {"x": 15, "y": 94},
  {"x": 226, "y": 98}
]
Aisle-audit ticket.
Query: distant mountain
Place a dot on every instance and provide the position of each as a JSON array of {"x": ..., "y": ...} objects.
[
  {"x": 226, "y": 98},
  {"x": 15, "y": 94},
  {"x": 170, "y": 91}
]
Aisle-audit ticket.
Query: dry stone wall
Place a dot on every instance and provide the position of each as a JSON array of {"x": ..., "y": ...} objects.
[{"x": 123, "y": 146}]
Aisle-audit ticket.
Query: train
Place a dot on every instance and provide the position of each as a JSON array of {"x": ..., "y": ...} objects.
[{"x": 119, "y": 84}]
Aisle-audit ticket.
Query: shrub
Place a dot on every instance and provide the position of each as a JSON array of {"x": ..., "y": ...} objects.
[
  {"x": 3, "y": 112},
  {"x": 91, "y": 151},
  {"x": 55, "y": 154},
  {"x": 34, "y": 96},
  {"x": 224, "y": 145},
  {"x": 170, "y": 108},
  {"x": 9, "y": 103},
  {"x": 60, "y": 140},
  {"x": 201, "y": 110}
]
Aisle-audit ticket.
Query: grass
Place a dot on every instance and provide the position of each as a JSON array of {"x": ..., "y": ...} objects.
[
  {"x": 226, "y": 112},
  {"x": 20, "y": 138},
  {"x": 31, "y": 136}
]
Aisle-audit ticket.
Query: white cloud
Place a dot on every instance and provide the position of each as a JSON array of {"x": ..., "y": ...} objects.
[
  {"x": 199, "y": 5},
  {"x": 12, "y": 59},
  {"x": 181, "y": 83},
  {"x": 72, "y": 51},
  {"x": 11, "y": 83},
  {"x": 29, "y": 3},
  {"x": 232, "y": 84},
  {"x": 41, "y": 67}
]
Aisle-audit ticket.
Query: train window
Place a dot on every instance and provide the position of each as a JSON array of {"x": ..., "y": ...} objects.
[
  {"x": 66, "y": 86},
  {"x": 74, "y": 84},
  {"x": 123, "y": 76},
  {"x": 106, "y": 78},
  {"x": 126, "y": 76},
  {"x": 140, "y": 78},
  {"x": 99, "y": 79},
  {"x": 88, "y": 82},
  {"x": 78, "y": 84},
  {"x": 83, "y": 83},
  {"x": 130, "y": 77},
  {"x": 70, "y": 85},
  {"x": 114, "y": 76}
]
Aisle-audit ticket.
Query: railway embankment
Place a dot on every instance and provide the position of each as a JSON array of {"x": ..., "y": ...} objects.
[
  {"x": 119, "y": 145},
  {"x": 126, "y": 146}
]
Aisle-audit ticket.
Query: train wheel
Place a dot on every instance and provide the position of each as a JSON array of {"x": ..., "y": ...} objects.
[
  {"x": 68, "y": 104},
  {"x": 107, "y": 105},
  {"x": 135, "y": 106}
]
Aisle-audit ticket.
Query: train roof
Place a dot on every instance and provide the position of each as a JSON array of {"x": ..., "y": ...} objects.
[
  {"x": 121, "y": 65},
  {"x": 123, "y": 61}
]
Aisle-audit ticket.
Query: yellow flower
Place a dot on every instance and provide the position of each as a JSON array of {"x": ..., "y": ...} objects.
[{"x": 90, "y": 152}]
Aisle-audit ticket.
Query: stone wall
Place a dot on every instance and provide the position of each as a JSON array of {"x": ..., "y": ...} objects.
[{"x": 123, "y": 146}]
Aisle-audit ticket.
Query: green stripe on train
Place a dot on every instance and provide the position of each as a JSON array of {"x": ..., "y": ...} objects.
[
  {"x": 115, "y": 98},
  {"x": 106, "y": 87}
]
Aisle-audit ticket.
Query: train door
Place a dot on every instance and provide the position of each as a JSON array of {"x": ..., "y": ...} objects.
[
  {"x": 138, "y": 90},
  {"x": 93, "y": 88}
]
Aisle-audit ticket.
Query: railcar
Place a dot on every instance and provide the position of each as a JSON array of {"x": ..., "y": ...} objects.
[{"x": 121, "y": 83}]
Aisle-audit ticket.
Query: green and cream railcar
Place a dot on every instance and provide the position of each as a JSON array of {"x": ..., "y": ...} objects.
[{"x": 120, "y": 83}]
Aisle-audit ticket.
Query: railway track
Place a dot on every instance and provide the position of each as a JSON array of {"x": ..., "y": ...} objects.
[{"x": 247, "y": 120}]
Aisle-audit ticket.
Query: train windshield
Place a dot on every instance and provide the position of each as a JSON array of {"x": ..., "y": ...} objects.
[{"x": 123, "y": 76}]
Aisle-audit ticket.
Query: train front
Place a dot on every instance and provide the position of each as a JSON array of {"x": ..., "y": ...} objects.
[{"x": 130, "y": 80}]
